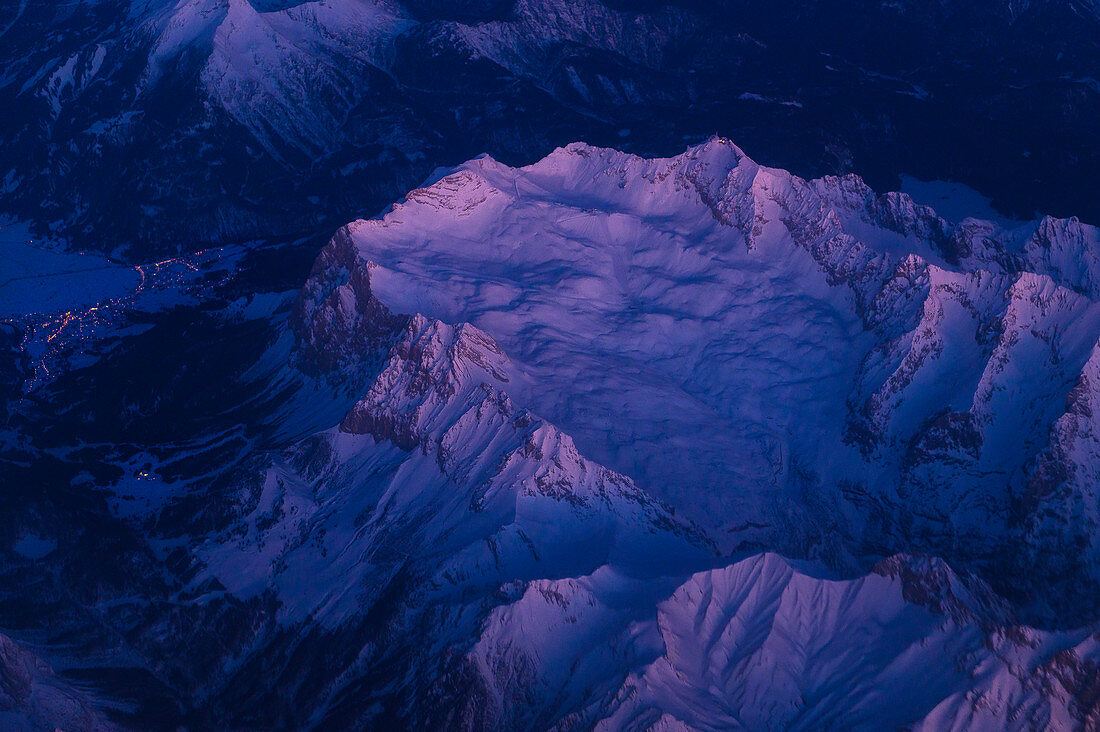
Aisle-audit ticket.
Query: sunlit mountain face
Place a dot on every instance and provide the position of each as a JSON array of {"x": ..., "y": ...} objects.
[{"x": 492, "y": 365}]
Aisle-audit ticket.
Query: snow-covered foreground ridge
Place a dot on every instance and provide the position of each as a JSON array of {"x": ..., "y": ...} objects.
[{"x": 617, "y": 381}]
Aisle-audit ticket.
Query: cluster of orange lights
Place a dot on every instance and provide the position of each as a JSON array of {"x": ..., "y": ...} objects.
[{"x": 56, "y": 325}]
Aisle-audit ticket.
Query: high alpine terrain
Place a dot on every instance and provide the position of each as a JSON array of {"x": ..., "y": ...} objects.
[
  {"x": 634, "y": 433},
  {"x": 522, "y": 454}
]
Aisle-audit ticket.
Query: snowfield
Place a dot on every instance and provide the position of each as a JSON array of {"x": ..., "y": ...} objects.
[{"x": 35, "y": 280}]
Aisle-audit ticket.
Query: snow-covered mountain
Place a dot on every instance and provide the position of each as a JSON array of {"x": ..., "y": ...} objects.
[
  {"x": 594, "y": 439},
  {"x": 445, "y": 557},
  {"x": 601, "y": 442},
  {"x": 796, "y": 364},
  {"x": 666, "y": 315}
]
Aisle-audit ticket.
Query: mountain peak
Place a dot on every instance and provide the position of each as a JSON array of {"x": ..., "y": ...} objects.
[{"x": 627, "y": 291}]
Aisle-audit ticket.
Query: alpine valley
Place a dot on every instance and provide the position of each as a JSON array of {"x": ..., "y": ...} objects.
[{"x": 647, "y": 436}]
